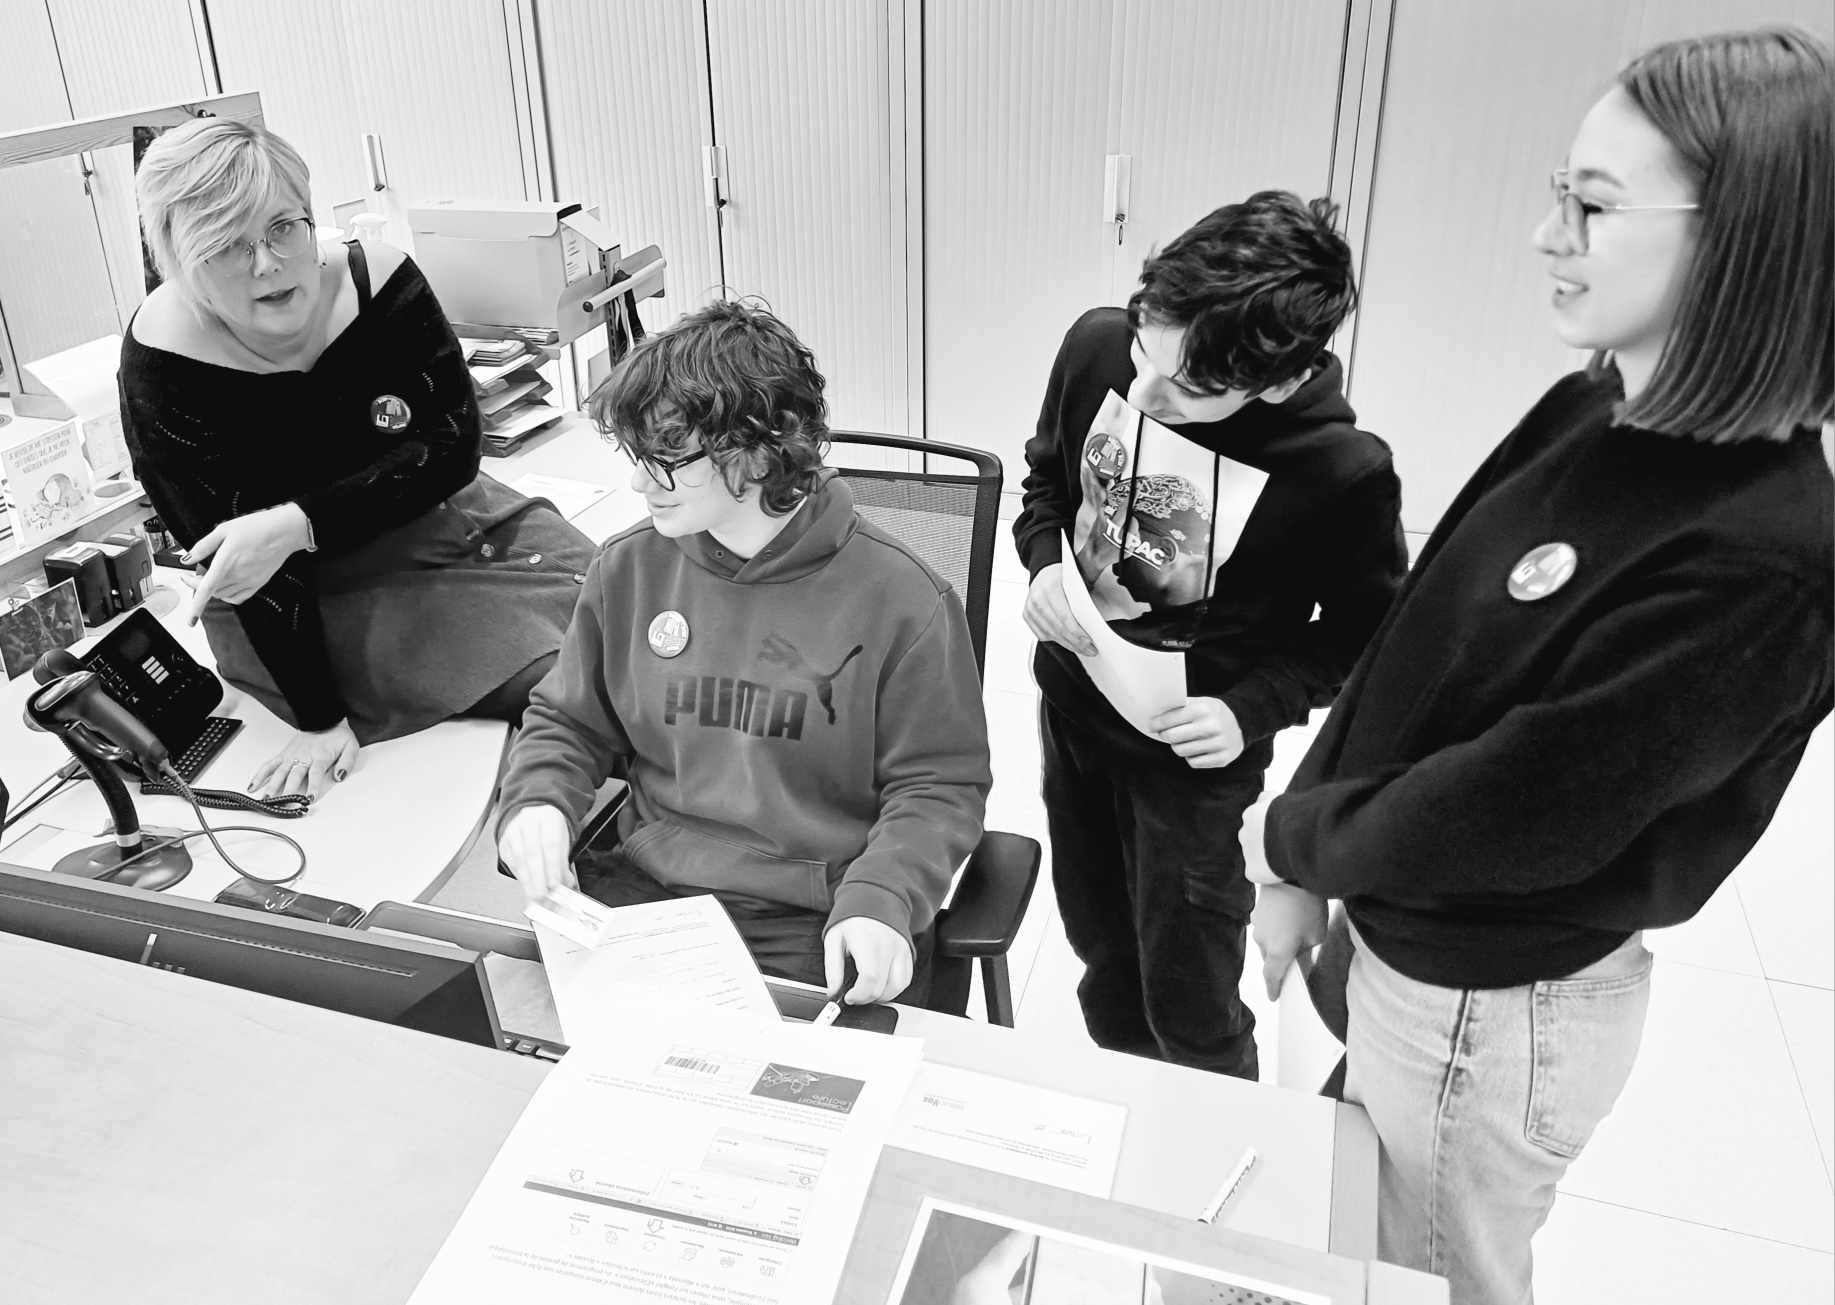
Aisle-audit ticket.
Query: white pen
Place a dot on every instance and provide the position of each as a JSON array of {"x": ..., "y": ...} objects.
[{"x": 1230, "y": 1186}]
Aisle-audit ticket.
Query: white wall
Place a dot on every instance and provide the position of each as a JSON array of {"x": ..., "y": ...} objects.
[{"x": 1453, "y": 341}]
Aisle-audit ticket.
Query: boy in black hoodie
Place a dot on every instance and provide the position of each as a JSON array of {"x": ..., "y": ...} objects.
[{"x": 1197, "y": 451}]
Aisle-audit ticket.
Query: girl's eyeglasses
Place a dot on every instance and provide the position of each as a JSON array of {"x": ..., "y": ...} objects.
[{"x": 1575, "y": 211}]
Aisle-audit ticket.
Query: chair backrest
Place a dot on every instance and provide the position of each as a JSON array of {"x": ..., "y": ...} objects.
[{"x": 948, "y": 513}]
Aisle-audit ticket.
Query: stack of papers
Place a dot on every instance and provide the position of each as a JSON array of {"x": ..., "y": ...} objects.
[
  {"x": 511, "y": 392},
  {"x": 570, "y": 497},
  {"x": 701, "y": 1158}
]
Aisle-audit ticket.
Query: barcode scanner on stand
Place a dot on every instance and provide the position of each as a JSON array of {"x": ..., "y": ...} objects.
[
  {"x": 146, "y": 670},
  {"x": 100, "y": 732}
]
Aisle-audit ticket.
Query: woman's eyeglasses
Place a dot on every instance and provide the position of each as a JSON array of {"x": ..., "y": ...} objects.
[
  {"x": 661, "y": 470},
  {"x": 287, "y": 238},
  {"x": 1575, "y": 211}
]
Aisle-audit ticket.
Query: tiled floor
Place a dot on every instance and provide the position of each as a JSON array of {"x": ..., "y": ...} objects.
[{"x": 1711, "y": 1181}]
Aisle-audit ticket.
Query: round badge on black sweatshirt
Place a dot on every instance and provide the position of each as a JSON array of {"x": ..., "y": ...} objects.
[
  {"x": 1543, "y": 570},
  {"x": 389, "y": 414}
]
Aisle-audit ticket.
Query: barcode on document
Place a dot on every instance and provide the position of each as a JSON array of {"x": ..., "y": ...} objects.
[{"x": 694, "y": 1063}]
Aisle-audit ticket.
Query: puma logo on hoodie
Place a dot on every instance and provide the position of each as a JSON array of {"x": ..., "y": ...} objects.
[
  {"x": 781, "y": 651},
  {"x": 767, "y": 711}
]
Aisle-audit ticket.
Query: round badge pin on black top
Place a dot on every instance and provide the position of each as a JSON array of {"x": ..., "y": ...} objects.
[
  {"x": 1542, "y": 570},
  {"x": 389, "y": 414},
  {"x": 668, "y": 634}
]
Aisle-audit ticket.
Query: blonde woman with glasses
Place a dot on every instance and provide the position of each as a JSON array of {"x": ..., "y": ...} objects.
[{"x": 303, "y": 420}]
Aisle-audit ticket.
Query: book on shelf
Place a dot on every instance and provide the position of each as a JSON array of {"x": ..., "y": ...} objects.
[{"x": 48, "y": 482}]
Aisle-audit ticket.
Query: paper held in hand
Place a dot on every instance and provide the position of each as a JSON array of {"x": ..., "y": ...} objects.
[
  {"x": 681, "y": 951},
  {"x": 1140, "y": 683}
]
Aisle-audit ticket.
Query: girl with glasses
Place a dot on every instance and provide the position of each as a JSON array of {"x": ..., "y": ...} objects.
[
  {"x": 303, "y": 421},
  {"x": 1604, "y": 668}
]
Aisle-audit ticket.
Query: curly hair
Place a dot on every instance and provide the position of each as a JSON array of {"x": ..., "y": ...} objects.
[
  {"x": 735, "y": 376},
  {"x": 1257, "y": 287}
]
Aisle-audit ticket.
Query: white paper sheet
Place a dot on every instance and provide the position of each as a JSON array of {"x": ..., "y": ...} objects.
[
  {"x": 684, "y": 951},
  {"x": 693, "y": 1159},
  {"x": 83, "y": 377},
  {"x": 1012, "y": 1128},
  {"x": 1139, "y": 682},
  {"x": 570, "y": 497}
]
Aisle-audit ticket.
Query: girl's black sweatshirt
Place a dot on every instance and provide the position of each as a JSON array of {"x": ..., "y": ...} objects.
[{"x": 1510, "y": 784}]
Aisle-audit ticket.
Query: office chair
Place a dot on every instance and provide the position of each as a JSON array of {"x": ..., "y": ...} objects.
[{"x": 948, "y": 514}]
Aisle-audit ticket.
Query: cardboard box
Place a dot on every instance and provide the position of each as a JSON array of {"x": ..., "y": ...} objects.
[{"x": 510, "y": 264}]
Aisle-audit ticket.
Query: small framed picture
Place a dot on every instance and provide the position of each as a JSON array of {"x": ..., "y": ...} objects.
[{"x": 35, "y": 619}]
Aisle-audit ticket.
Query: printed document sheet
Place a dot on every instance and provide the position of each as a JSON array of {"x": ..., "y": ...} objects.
[
  {"x": 1140, "y": 683},
  {"x": 691, "y": 1158},
  {"x": 570, "y": 497},
  {"x": 681, "y": 951},
  {"x": 1012, "y": 1128}
]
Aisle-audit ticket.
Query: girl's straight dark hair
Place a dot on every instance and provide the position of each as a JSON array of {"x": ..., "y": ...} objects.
[{"x": 1752, "y": 351}]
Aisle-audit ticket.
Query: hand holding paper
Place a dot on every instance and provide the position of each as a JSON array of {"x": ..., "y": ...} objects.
[
  {"x": 1047, "y": 613},
  {"x": 1203, "y": 731},
  {"x": 1140, "y": 683},
  {"x": 684, "y": 950}
]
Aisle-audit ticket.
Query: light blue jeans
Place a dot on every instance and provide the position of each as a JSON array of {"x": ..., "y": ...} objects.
[{"x": 1481, "y": 1099}]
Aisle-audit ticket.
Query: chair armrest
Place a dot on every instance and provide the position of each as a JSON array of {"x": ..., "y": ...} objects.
[
  {"x": 606, "y": 817},
  {"x": 991, "y": 900}
]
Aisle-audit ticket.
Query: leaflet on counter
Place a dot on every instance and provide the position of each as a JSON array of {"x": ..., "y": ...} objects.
[
  {"x": 1013, "y": 1128},
  {"x": 700, "y": 1158}
]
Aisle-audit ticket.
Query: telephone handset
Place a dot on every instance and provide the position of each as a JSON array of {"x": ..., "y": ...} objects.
[{"x": 142, "y": 667}]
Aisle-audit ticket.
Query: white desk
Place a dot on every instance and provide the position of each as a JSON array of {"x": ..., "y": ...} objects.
[
  {"x": 169, "y": 1140},
  {"x": 413, "y": 807},
  {"x": 573, "y": 449}
]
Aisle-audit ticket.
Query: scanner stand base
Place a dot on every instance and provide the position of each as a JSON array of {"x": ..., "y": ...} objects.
[{"x": 154, "y": 871}]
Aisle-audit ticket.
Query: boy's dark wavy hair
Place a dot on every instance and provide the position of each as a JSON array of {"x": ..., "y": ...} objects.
[
  {"x": 735, "y": 375},
  {"x": 1258, "y": 288}
]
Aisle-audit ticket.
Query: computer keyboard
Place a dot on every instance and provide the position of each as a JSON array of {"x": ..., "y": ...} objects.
[{"x": 201, "y": 751}]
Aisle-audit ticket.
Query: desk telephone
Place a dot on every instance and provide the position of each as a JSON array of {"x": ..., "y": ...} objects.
[{"x": 142, "y": 667}]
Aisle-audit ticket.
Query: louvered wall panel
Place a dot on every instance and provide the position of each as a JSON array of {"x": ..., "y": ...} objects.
[
  {"x": 54, "y": 279},
  {"x": 1014, "y": 243},
  {"x": 628, "y": 120},
  {"x": 120, "y": 55},
  {"x": 293, "y": 52},
  {"x": 803, "y": 106},
  {"x": 126, "y": 54},
  {"x": 1454, "y": 340},
  {"x": 1216, "y": 101},
  {"x": 432, "y": 78}
]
